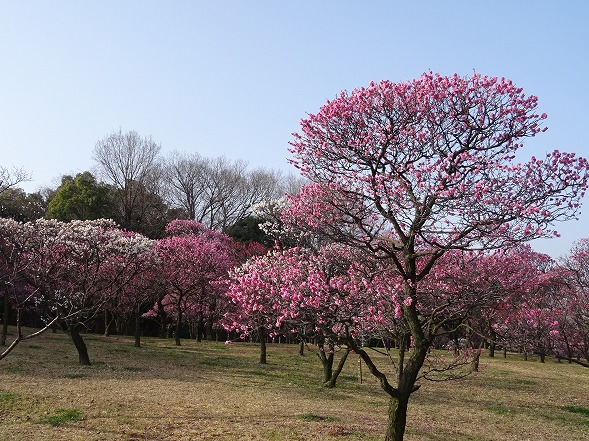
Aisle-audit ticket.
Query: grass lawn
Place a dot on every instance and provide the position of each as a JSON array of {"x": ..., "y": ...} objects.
[{"x": 212, "y": 391}]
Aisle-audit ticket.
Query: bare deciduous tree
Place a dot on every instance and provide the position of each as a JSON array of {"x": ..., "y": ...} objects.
[
  {"x": 218, "y": 192},
  {"x": 186, "y": 180},
  {"x": 11, "y": 177},
  {"x": 129, "y": 162}
]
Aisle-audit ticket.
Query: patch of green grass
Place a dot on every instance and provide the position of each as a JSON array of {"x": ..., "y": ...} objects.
[
  {"x": 500, "y": 410},
  {"x": 218, "y": 362},
  {"x": 527, "y": 382},
  {"x": 62, "y": 416},
  {"x": 577, "y": 409},
  {"x": 8, "y": 398},
  {"x": 316, "y": 418},
  {"x": 15, "y": 369}
]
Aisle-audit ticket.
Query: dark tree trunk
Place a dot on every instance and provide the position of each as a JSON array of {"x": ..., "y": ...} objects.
[
  {"x": 332, "y": 381},
  {"x": 199, "y": 330},
  {"x": 178, "y": 327},
  {"x": 5, "y": 318},
  {"x": 209, "y": 334},
  {"x": 262, "y": 335},
  {"x": 107, "y": 323},
  {"x": 137, "y": 329},
  {"x": 327, "y": 363},
  {"x": 492, "y": 342},
  {"x": 476, "y": 360},
  {"x": 397, "y": 418},
  {"x": 163, "y": 319},
  {"x": 302, "y": 347},
  {"x": 408, "y": 373},
  {"x": 80, "y": 345}
]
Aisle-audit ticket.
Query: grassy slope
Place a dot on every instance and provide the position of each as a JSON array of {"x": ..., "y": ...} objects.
[{"x": 209, "y": 391}]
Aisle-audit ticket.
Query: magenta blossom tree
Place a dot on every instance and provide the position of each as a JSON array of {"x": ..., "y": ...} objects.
[
  {"x": 191, "y": 260},
  {"x": 468, "y": 294},
  {"x": 408, "y": 171}
]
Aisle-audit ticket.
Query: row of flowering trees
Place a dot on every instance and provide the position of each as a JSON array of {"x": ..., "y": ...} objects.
[
  {"x": 333, "y": 295},
  {"x": 71, "y": 273},
  {"x": 517, "y": 298}
]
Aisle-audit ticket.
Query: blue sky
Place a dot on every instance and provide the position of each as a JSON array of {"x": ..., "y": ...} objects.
[{"x": 234, "y": 78}]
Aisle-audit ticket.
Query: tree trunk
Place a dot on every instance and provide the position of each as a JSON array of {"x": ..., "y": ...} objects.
[
  {"x": 338, "y": 369},
  {"x": 5, "y": 318},
  {"x": 302, "y": 347},
  {"x": 327, "y": 363},
  {"x": 178, "y": 327},
  {"x": 137, "y": 330},
  {"x": 107, "y": 323},
  {"x": 408, "y": 372},
  {"x": 80, "y": 345},
  {"x": 209, "y": 330},
  {"x": 474, "y": 365},
  {"x": 397, "y": 418},
  {"x": 492, "y": 342},
  {"x": 163, "y": 319},
  {"x": 199, "y": 329},
  {"x": 262, "y": 335}
]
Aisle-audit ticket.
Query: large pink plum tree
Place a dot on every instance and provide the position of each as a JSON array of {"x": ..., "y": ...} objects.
[{"x": 407, "y": 171}]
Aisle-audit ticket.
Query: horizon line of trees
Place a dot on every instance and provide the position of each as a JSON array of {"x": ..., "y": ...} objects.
[{"x": 142, "y": 190}]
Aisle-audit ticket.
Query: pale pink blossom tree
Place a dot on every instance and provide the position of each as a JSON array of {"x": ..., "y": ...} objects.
[
  {"x": 129, "y": 301},
  {"x": 407, "y": 171},
  {"x": 17, "y": 294},
  {"x": 76, "y": 266}
]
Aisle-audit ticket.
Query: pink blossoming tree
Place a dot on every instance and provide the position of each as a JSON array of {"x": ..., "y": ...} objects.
[
  {"x": 408, "y": 171},
  {"x": 311, "y": 295},
  {"x": 191, "y": 259},
  {"x": 574, "y": 308}
]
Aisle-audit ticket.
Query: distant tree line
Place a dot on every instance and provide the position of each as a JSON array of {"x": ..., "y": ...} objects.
[{"x": 142, "y": 191}]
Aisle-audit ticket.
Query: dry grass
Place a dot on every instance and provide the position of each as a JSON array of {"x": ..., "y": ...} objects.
[{"x": 209, "y": 391}]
